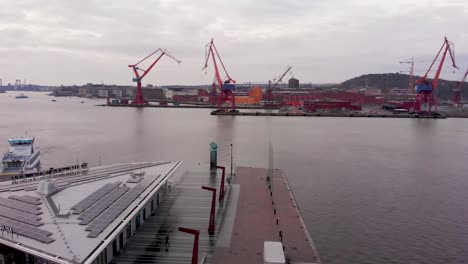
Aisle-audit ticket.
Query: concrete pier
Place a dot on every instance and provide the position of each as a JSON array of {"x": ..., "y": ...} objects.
[
  {"x": 315, "y": 114},
  {"x": 262, "y": 213},
  {"x": 253, "y": 211}
]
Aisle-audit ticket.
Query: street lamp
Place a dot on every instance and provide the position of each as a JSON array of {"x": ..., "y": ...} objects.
[{"x": 231, "y": 162}]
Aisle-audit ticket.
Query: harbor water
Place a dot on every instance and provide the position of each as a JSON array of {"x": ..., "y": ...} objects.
[{"x": 370, "y": 190}]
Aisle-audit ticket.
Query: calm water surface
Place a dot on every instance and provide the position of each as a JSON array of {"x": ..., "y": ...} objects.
[{"x": 370, "y": 190}]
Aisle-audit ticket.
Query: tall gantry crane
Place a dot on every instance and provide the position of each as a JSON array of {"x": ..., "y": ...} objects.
[
  {"x": 269, "y": 92},
  {"x": 456, "y": 98},
  {"x": 139, "y": 100},
  {"x": 411, "y": 73},
  {"x": 426, "y": 90},
  {"x": 227, "y": 86}
]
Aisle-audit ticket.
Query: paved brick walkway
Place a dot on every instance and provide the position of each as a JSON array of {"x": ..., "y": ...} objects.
[{"x": 255, "y": 221}]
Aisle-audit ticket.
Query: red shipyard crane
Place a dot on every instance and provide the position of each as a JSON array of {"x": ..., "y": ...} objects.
[
  {"x": 457, "y": 91},
  {"x": 426, "y": 90},
  {"x": 269, "y": 95},
  {"x": 139, "y": 100},
  {"x": 227, "y": 86}
]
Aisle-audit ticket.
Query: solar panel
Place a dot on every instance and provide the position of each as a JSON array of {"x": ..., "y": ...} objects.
[
  {"x": 96, "y": 209},
  {"x": 22, "y": 206},
  {"x": 23, "y": 214},
  {"x": 20, "y": 216},
  {"x": 108, "y": 216},
  {"x": 94, "y": 197},
  {"x": 27, "y": 230},
  {"x": 27, "y": 199},
  {"x": 93, "y": 174}
]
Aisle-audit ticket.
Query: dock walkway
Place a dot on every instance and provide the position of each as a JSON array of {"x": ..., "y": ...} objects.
[
  {"x": 261, "y": 214},
  {"x": 186, "y": 205}
]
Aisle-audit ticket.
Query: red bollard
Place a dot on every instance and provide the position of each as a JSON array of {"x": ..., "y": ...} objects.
[
  {"x": 211, "y": 226},
  {"x": 195, "y": 242}
]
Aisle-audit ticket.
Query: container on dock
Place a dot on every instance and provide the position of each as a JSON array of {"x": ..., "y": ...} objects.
[
  {"x": 124, "y": 101},
  {"x": 114, "y": 101}
]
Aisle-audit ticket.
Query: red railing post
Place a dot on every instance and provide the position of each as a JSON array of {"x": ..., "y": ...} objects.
[
  {"x": 195, "y": 242},
  {"x": 221, "y": 191},
  {"x": 211, "y": 226}
]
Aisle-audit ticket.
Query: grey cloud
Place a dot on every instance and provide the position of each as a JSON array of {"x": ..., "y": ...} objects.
[{"x": 325, "y": 41}]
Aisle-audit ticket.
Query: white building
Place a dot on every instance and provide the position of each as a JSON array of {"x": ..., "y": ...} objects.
[
  {"x": 117, "y": 93},
  {"x": 78, "y": 215},
  {"x": 103, "y": 93}
]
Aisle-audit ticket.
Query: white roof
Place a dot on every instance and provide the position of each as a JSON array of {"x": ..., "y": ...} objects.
[
  {"x": 71, "y": 241},
  {"x": 273, "y": 252}
]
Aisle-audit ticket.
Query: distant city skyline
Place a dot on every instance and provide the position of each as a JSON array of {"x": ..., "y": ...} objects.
[{"x": 79, "y": 42}]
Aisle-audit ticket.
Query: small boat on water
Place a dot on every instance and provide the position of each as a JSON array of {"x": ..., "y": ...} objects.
[
  {"x": 53, "y": 100},
  {"x": 21, "y": 158},
  {"x": 21, "y": 96}
]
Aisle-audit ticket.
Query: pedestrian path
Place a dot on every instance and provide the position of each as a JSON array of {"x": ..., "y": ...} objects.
[{"x": 266, "y": 211}]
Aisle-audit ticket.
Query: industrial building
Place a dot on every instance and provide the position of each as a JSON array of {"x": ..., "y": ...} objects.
[
  {"x": 115, "y": 91},
  {"x": 78, "y": 215},
  {"x": 329, "y": 105},
  {"x": 254, "y": 96},
  {"x": 293, "y": 83}
]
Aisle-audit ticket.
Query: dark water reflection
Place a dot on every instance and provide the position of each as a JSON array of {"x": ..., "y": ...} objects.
[{"x": 370, "y": 190}]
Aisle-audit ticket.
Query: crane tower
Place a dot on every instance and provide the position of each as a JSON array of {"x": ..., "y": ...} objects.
[
  {"x": 227, "y": 86},
  {"x": 425, "y": 90}
]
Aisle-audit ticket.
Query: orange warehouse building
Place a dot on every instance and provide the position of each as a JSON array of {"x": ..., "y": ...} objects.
[{"x": 254, "y": 97}]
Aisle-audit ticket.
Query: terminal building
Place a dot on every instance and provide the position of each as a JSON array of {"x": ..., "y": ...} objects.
[{"x": 78, "y": 215}]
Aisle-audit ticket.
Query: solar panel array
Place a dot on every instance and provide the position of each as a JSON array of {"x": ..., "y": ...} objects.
[
  {"x": 27, "y": 230},
  {"x": 92, "y": 212},
  {"x": 24, "y": 214},
  {"x": 94, "y": 197},
  {"x": 21, "y": 206},
  {"x": 20, "y": 216},
  {"x": 27, "y": 199},
  {"x": 98, "y": 225}
]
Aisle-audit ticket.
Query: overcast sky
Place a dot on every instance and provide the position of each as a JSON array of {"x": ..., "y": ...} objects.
[{"x": 66, "y": 42}]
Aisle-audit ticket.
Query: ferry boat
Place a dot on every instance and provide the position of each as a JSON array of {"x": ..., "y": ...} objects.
[
  {"x": 21, "y": 96},
  {"x": 21, "y": 158}
]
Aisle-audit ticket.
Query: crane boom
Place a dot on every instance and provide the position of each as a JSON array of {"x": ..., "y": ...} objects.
[
  {"x": 270, "y": 88},
  {"x": 282, "y": 76},
  {"x": 139, "y": 100},
  {"x": 448, "y": 48}
]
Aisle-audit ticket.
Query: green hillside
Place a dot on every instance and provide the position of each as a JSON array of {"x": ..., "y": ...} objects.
[{"x": 386, "y": 81}]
